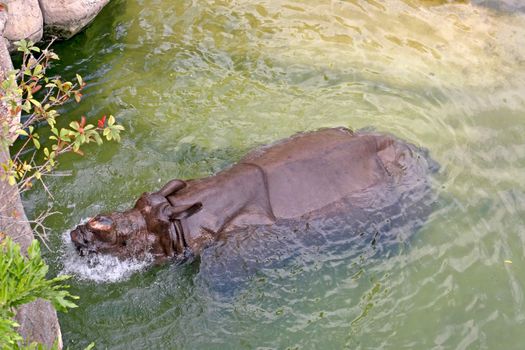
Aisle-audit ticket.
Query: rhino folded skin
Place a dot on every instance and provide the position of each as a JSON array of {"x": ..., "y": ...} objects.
[{"x": 325, "y": 173}]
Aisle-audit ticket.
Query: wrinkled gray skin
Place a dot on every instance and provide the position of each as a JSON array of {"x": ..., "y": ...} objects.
[{"x": 306, "y": 176}]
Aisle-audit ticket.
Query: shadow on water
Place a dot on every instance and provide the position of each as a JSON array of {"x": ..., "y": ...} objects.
[{"x": 289, "y": 249}]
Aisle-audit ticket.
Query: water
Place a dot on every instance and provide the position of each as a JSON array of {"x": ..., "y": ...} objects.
[
  {"x": 197, "y": 84},
  {"x": 98, "y": 268}
]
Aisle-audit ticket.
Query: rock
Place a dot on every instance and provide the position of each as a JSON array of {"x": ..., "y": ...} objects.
[
  {"x": 38, "y": 322},
  {"x": 510, "y": 6},
  {"x": 24, "y": 21},
  {"x": 5, "y": 66},
  {"x": 3, "y": 18},
  {"x": 65, "y": 18},
  {"x": 5, "y": 60}
]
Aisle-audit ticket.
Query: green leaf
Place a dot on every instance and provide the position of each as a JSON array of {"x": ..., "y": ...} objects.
[
  {"x": 26, "y": 106},
  {"x": 98, "y": 139},
  {"x": 22, "y": 46},
  {"x": 79, "y": 79},
  {"x": 37, "y": 70},
  {"x": 36, "y": 143},
  {"x": 74, "y": 125},
  {"x": 53, "y": 56},
  {"x": 66, "y": 86},
  {"x": 35, "y": 102},
  {"x": 65, "y": 134}
]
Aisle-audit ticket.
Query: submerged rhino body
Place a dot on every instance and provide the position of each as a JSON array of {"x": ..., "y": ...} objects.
[{"x": 307, "y": 176}]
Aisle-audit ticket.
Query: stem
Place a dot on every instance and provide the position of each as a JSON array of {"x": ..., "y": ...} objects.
[{"x": 21, "y": 149}]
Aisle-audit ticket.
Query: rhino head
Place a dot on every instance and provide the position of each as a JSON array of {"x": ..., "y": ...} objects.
[{"x": 151, "y": 227}]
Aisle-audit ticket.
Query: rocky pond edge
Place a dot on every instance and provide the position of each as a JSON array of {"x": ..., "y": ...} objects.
[{"x": 30, "y": 20}]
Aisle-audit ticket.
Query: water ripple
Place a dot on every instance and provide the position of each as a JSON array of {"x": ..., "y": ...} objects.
[{"x": 198, "y": 83}]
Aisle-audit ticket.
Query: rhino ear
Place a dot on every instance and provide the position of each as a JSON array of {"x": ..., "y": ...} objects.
[
  {"x": 171, "y": 187},
  {"x": 183, "y": 211},
  {"x": 100, "y": 223}
]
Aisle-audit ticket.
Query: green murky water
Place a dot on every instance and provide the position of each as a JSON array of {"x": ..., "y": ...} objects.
[{"x": 198, "y": 83}]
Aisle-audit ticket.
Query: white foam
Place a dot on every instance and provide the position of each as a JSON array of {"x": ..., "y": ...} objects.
[{"x": 98, "y": 268}]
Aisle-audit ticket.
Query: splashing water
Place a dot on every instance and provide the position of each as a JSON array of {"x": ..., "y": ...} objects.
[{"x": 98, "y": 268}]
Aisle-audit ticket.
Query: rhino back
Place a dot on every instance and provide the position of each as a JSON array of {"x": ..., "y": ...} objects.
[{"x": 312, "y": 170}]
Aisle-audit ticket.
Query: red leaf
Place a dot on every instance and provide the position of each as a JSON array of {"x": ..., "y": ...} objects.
[
  {"x": 82, "y": 122},
  {"x": 36, "y": 88},
  {"x": 16, "y": 110},
  {"x": 101, "y": 122}
]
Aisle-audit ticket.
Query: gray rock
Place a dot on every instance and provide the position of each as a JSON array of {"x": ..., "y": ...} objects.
[
  {"x": 38, "y": 322},
  {"x": 24, "y": 21},
  {"x": 6, "y": 64},
  {"x": 3, "y": 18},
  {"x": 502, "y": 5},
  {"x": 65, "y": 18}
]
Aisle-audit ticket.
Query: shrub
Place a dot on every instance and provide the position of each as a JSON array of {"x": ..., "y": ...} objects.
[
  {"x": 31, "y": 99},
  {"x": 23, "y": 281}
]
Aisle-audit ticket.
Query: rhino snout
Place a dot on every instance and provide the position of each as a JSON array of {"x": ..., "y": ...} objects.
[{"x": 83, "y": 241}]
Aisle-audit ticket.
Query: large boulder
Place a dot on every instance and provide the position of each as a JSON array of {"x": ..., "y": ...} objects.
[
  {"x": 24, "y": 21},
  {"x": 502, "y": 5},
  {"x": 65, "y": 18},
  {"x": 5, "y": 66},
  {"x": 3, "y": 18}
]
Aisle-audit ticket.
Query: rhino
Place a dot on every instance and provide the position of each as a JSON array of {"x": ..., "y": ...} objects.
[{"x": 310, "y": 175}]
